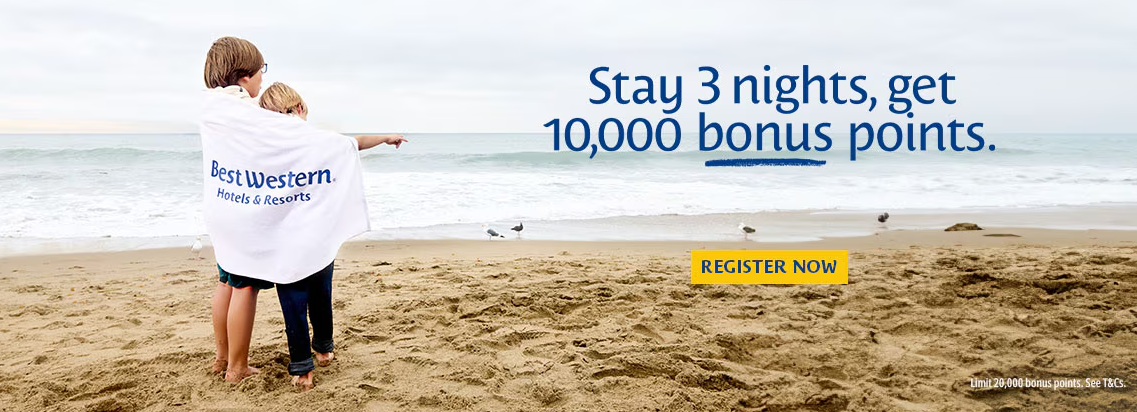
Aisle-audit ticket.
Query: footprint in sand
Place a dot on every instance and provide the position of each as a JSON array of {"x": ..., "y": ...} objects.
[{"x": 646, "y": 331}]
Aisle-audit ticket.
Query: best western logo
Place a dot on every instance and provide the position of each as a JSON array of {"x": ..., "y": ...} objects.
[{"x": 257, "y": 180}]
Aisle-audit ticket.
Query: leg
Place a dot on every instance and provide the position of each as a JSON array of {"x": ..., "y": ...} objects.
[
  {"x": 320, "y": 312},
  {"x": 221, "y": 297},
  {"x": 242, "y": 312},
  {"x": 294, "y": 305}
]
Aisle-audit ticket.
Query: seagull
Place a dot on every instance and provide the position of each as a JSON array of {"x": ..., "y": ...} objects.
[
  {"x": 882, "y": 218},
  {"x": 746, "y": 230},
  {"x": 520, "y": 226},
  {"x": 491, "y": 232},
  {"x": 196, "y": 248}
]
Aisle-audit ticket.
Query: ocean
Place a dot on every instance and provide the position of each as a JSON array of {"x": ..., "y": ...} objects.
[{"x": 140, "y": 190}]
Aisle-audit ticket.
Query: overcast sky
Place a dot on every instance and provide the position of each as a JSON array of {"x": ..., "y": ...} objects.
[{"x": 510, "y": 66}]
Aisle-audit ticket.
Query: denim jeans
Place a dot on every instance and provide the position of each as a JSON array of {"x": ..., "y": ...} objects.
[{"x": 310, "y": 297}]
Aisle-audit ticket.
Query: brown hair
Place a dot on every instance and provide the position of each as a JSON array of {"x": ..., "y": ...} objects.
[
  {"x": 231, "y": 59},
  {"x": 281, "y": 98}
]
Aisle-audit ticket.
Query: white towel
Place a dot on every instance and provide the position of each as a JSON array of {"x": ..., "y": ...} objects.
[{"x": 281, "y": 196}]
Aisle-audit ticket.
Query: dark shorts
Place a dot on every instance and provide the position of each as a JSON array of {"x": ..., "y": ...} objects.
[{"x": 239, "y": 281}]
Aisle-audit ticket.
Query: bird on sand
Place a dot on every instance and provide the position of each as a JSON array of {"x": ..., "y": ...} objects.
[
  {"x": 882, "y": 218},
  {"x": 492, "y": 233},
  {"x": 520, "y": 226},
  {"x": 196, "y": 248},
  {"x": 746, "y": 230}
]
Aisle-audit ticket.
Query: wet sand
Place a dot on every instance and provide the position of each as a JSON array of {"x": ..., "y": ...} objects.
[{"x": 583, "y": 326}]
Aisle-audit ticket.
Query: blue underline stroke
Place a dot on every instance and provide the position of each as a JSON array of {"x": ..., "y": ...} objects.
[{"x": 763, "y": 162}]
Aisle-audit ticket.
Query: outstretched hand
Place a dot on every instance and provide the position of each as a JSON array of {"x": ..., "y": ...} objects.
[
  {"x": 371, "y": 140},
  {"x": 395, "y": 140}
]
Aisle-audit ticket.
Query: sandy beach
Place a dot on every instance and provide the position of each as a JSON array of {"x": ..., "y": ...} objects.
[
  {"x": 585, "y": 326},
  {"x": 546, "y": 207}
]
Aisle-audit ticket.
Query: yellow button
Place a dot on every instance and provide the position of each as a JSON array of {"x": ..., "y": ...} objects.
[{"x": 772, "y": 267}]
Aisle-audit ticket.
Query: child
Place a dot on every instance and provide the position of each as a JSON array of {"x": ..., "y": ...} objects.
[
  {"x": 311, "y": 297},
  {"x": 283, "y": 99},
  {"x": 234, "y": 65}
]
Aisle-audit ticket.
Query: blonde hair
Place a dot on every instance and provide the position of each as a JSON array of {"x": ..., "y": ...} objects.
[
  {"x": 279, "y": 97},
  {"x": 229, "y": 60}
]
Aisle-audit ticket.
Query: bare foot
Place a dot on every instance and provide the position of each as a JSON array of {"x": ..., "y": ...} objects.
[
  {"x": 219, "y": 365},
  {"x": 325, "y": 359},
  {"x": 304, "y": 382},
  {"x": 232, "y": 376}
]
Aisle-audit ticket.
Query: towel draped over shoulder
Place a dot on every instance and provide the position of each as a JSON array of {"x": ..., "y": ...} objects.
[{"x": 281, "y": 196}]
